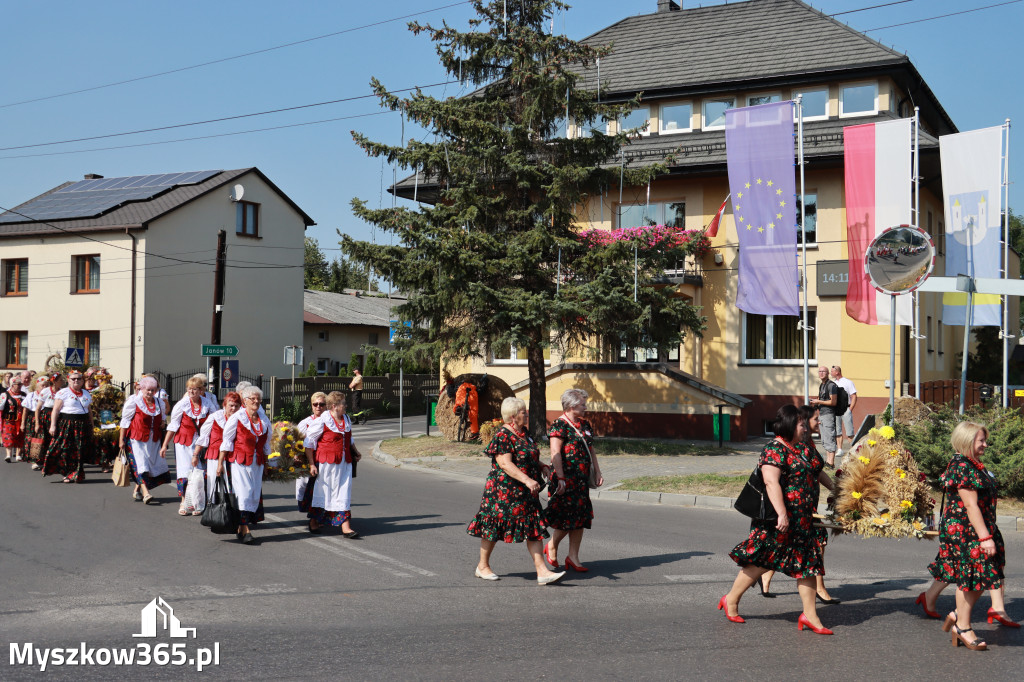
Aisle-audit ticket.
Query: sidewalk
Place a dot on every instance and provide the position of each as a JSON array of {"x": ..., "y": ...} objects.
[{"x": 736, "y": 459}]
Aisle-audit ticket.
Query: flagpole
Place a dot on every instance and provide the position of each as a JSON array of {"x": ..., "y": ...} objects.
[
  {"x": 917, "y": 222},
  {"x": 1006, "y": 263},
  {"x": 803, "y": 240}
]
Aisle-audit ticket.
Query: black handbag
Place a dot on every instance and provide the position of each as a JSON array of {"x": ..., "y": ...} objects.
[
  {"x": 753, "y": 500},
  {"x": 221, "y": 515}
]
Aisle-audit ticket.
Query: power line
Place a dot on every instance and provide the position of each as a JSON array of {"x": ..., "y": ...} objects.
[
  {"x": 237, "y": 56},
  {"x": 198, "y": 137},
  {"x": 864, "y": 9},
  {"x": 943, "y": 16},
  {"x": 218, "y": 120}
]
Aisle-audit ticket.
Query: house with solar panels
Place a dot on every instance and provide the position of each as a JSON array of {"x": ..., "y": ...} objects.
[
  {"x": 123, "y": 268},
  {"x": 689, "y": 65}
]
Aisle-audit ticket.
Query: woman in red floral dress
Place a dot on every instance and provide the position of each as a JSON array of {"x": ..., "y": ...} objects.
[
  {"x": 510, "y": 509},
  {"x": 971, "y": 551},
  {"x": 572, "y": 456},
  {"x": 792, "y": 545}
]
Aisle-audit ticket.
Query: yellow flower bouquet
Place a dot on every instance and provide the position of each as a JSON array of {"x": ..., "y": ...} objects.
[{"x": 287, "y": 459}]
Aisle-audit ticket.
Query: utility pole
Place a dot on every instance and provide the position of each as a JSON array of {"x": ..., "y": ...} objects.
[{"x": 213, "y": 368}]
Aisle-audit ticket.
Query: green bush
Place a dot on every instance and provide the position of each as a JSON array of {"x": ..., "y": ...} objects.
[
  {"x": 928, "y": 442},
  {"x": 294, "y": 411}
]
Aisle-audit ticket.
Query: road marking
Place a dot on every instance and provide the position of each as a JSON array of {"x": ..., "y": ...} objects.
[{"x": 345, "y": 548}]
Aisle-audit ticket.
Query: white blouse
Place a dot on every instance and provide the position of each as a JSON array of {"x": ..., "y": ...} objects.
[
  {"x": 326, "y": 421},
  {"x": 137, "y": 402},
  {"x": 183, "y": 407},
  {"x": 74, "y": 404},
  {"x": 238, "y": 420},
  {"x": 207, "y": 428}
]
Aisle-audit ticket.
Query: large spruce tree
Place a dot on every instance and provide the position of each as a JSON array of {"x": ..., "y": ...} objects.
[{"x": 498, "y": 259}]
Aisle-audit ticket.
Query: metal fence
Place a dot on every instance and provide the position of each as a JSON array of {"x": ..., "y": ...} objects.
[
  {"x": 175, "y": 383},
  {"x": 379, "y": 393},
  {"x": 948, "y": 391}
]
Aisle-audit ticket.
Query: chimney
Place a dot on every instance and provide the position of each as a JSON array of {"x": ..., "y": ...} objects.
[
  {"x": 93, "y": 176},
  {"x": 668, "y": 6}
]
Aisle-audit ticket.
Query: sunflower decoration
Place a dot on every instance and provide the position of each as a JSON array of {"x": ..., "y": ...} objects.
[
  {"x": 881, "y": 492},
  {"x": 287, "y": 459}
]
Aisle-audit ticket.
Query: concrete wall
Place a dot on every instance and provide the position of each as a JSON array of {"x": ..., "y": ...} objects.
[
  {"x": 50, "y": 311},
  {"x": 342, "y": 341},
  {"x": 263, "y": 306}
]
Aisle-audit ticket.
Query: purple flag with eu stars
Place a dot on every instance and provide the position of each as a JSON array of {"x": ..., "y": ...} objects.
[{"x": 759, "y": 148}]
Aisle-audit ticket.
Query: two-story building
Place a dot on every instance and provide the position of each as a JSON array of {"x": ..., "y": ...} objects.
[
  {"x": 338, "y": 326},
  {"x": 689, "y": 67},
  {"x": 123, "y": 268}
]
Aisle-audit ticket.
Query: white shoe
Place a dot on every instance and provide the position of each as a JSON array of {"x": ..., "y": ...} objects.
[
  {"x": 553, "y": 578},
  {"x": 137, "y": 496},
  {"x": 7, "y": 458},
  {"x": 18, "y": 458},
  {"x": 36, "y": 467},
  {"x": 485, "y": 576}
]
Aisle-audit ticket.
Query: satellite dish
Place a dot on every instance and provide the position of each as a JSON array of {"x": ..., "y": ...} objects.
[{"x": 237, "y": 192}]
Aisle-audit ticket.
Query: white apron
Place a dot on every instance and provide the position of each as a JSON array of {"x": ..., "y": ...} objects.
[
  {"x": 247, "y": 484},
  {"x": 147, "y": 458},
  {"x": 333, "y": 488}
]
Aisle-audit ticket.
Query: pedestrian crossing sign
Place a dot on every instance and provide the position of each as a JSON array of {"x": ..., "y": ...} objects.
[{"x": 74, "y": 357}]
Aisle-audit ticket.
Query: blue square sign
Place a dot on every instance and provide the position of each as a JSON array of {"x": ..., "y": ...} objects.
[{"x": 74, "y": 357}]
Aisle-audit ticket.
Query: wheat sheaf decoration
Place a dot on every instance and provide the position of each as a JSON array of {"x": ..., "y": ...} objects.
[{"x": 881, "y": 491}]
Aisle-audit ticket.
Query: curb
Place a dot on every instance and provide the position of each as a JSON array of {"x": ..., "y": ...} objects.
[{"x": 1005, "y": 523}]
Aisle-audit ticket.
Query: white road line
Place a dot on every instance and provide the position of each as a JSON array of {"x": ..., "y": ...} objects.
[{"x": 346, "y": 549}]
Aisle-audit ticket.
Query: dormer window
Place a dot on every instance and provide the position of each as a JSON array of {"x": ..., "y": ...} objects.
[
  {"x": 815, "y": 102},
  {"x": 858, "y": 99},
  {"x": 675, "y": 118},
  {"x": 638, "y": 119},
  {"x": 766, "y": 98},
  {"x": 714, "y": 112}
]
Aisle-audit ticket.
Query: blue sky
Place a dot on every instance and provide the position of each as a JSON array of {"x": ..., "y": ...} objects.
[{"x": 970, "y": 61}]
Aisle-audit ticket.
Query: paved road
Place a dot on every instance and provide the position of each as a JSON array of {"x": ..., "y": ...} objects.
[{"x": 80, "y": 562}]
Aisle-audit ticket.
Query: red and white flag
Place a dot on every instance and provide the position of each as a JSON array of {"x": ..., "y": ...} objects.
[
  {"x": 878, "y": 196},
  {"x": 712, "y": 228}
]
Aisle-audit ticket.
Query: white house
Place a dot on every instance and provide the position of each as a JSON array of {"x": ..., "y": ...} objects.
[
  {"x": 124, "y": 268},
  {"x": 338, "y": 325}
]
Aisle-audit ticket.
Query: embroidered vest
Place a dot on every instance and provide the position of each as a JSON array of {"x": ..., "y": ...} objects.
[
  {"x": 188, "y": 429},
  {"x": 216, "y": 438},
  {"x": 248, "y": 447},
  {"x": 333, "y": 447},
  {"x": 145, "y": 427}
]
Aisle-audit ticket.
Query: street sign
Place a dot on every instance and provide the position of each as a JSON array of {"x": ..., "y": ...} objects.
[
  {"x": 393, "y": 329},
  {"x": 74, "y": 357},
  {"x": 229, "y": 374},
  {"x": 212, "y": 351},
  {"x": 293, "y": 355}
]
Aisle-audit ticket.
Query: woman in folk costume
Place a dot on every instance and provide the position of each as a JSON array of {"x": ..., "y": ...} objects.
[
  {"x": 43, "y": 406},
  {"x": 71, "y": 443},
  {"x": 210, "y": 436},
  {"x": 187, "y": 418},
  {"x": 318, "y": 402},
  {"x": 11, "y": 409},
  {"x": 246, "y": 444},
  {"x": 141, "y": 421},
  {"x": 331, "y": 455},
  {"x": 28, "y": 410}
]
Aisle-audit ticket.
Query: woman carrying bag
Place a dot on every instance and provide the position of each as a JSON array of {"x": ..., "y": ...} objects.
[{"x": 791, "y": 544}]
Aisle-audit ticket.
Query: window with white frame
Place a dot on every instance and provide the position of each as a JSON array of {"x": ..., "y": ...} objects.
[
  {"x": 588, "y": 129},
  {"x": 810, "y": 226},
  {"x": 777, "y": 339},
  {"x": 815, "y": 103},
  {"x": 638, "y": 119},
  {"x": 646, "y": 354},
  {"x": 667, "y": 213},
  {"x": 714, "y": 112},
  {"x": 513, "y": 355},
  {"x": 323, "y": 365},
  {"x": 763, "y": 98},
  {"x": 857, "y": 99},
  {"x": 323, "y": 335},
  {"x": 675, "y": 118}
]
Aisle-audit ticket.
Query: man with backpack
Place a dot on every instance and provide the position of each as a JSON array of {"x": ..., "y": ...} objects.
[
  {"x": 826, "y": 404},
  {"x": 844, "y": 418}
]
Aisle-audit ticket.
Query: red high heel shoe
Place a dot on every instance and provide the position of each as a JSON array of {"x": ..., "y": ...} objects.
[
  {"x": 802, "y": 622},
  {"x": 579, "y": 569},
  {"x": 547, "y": 557},
  {"x": 924, "y": 605},
  {"x": 722, "y": 607},
  {"x": 994, "y": 615}
]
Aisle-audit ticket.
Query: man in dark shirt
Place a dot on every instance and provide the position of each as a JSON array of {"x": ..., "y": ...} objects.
[{"x": 826, "y": 402}]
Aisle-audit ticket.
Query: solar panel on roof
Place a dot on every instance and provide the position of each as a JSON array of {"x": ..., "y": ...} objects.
[{"x": 91, "y": 198}]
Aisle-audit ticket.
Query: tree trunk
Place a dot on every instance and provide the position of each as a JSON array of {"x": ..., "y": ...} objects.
[{"x": 538, "y": 387}]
